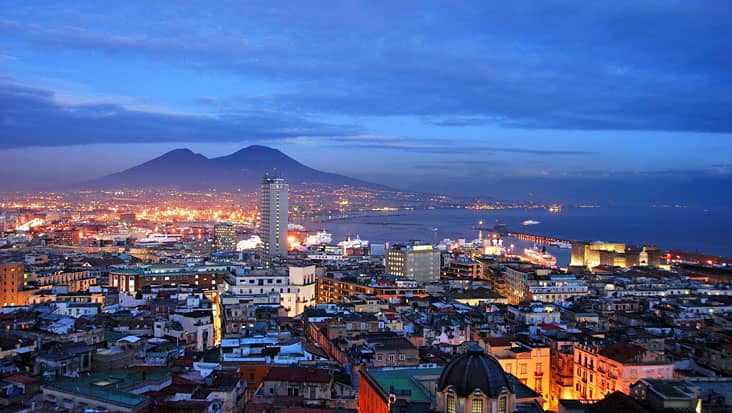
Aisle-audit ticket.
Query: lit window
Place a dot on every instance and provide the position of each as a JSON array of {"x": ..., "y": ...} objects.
[
  {"x": 451, "y": 404},
  {"x": 476, "y": 406},
  {"x": 503, "y": 404}
]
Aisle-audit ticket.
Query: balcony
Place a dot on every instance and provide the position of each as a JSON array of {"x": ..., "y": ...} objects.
[{"x": 538, "y": 373}]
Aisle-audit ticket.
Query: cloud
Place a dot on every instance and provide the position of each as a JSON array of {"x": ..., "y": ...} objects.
[
  {"x": 563, "y": 64},
  {"x": 31, "y": 117},
  {"x": 441, "y": 146}
]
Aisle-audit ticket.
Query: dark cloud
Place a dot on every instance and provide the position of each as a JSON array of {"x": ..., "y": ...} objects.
[
  {"x": 647, "y": 65},
  {"x": 31, "y": 117}
]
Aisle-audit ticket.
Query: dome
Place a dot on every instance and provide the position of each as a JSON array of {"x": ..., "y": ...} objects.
[{"x": 474, "y": 370}]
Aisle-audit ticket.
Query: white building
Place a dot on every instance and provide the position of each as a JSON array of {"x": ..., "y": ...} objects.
[
  {"x": 273, "y": 216},
  {"x": 295, "y": 286}
]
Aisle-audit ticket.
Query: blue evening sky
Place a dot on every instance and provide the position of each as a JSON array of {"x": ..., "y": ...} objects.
[{"x": 403, "y": 93}]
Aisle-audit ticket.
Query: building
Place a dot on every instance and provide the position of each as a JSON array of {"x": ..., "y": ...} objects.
[
  {"x": 304, "y": 387},
  {"x": 594, "y": 254},
  {"x": 13, "y": 280},
  {"x": 532, "y": 314},
  {"x": 273, "y": 216},
  {"x": 380, "y": 388},
  {"x": 205, "y": 277},
  {"x": 697, "y": 394},
  {"x": 557, "y": 288},
  {"x": 418, "y": 262},
  {"x": 113, "y": 391},
  {"x": 475, "y": 382},
  {"x": 463, "y": 268},
  {"x": 295, "y": 286},
  {"x": 224, "y": 237},
  {"x": 600, "y": 371},
  {"x": 531, "y": 365},
  {"x": 332, "y": 290}
]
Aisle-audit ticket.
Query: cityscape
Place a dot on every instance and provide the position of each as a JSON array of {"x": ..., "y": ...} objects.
[{"x": 203, "y": 209}]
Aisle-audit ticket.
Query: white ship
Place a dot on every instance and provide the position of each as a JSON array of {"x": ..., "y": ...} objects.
[
  {"x": 319, "y": 238},
  {"x": 353, "y": 243},
  {"x": 529, "y": 222},
  {"x": 155, "y": 240},
  {"x": 561, "y": 244},
  {"x": 540, "y": 257}
]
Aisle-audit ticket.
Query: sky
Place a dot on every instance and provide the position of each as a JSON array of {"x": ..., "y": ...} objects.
[{"x": 423, "y": 95}]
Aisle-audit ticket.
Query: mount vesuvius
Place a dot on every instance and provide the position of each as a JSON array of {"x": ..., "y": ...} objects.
[{"x": 244, "y": 169}]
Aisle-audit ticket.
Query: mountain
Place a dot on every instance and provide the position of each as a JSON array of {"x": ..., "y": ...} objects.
[{"x": 243, "y": 170}]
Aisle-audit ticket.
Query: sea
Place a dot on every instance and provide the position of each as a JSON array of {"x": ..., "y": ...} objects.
[{"x": 689, "y": 229}]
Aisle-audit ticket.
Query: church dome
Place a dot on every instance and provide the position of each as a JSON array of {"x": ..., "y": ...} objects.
[{"x": 474, "y": 370}]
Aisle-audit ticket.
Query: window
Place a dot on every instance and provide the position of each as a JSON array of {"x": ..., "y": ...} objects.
[
  {"x": 476, "y": 406},
  {"x": 523, "y": 368},
  {"x": 402, "y": 356},
  {"x": 451, "y": 404},
  {"x": 503, "y": 404},
  {"x": 391, "y": 358},
  {"x": 537, "y": 386}
]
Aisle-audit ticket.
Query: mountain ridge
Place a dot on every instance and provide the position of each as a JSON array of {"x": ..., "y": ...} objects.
[{"x": 241, "y": 170}]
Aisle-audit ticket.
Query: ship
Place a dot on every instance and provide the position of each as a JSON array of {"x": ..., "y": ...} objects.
[
  {"x": 529, "y": 222},
  {"x": 556, "y": 208},
  {"x": 319, "y": 238},
  {"x": 540, "y": 256},
  {"x": 156, "y": 240},
  {"x": 561, "y": 244}
]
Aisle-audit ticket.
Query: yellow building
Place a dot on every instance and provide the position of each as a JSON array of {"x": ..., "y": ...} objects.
[{"x": 531, "y": 365}]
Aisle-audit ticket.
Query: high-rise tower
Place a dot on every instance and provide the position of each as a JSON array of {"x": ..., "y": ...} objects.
[{"x": 273, "y": 216}]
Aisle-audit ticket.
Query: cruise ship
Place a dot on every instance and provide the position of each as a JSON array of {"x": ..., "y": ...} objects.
[
  {"x": 156, "y": 240},
  {"x": 319, "y": 238},
  {"x": 541, "y": 257},
  {"x": 529, "y": 222}
]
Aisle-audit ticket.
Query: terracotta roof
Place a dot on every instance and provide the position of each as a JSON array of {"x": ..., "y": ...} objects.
[{"x": 622, "y": 352}]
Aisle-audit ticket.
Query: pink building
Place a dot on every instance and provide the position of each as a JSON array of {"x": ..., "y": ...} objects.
[{"x": 599, "y": 371}]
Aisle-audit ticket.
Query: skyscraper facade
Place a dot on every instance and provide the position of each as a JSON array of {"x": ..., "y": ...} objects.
[
  {"x": 419, "y": 262},
  {"x": 273, "y": 216}
]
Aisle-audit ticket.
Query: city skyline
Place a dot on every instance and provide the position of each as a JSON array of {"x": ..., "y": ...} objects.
[{"x": 595, "y": 93}]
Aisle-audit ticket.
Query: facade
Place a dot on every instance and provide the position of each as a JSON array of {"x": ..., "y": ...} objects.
[
  {"x": 131, "y": 280},
  {"x": 604, "y": 370},
  {"x": 295, "y": 287},
  {"x": 224, "y": 237},
  {"x": 463, "y": 268},
  {"x": 595, "y": 254},
  {"x": 557, "y": 288},
  {"x": 273, "y": 216},
  {"x": 531, "y": 365},
  {"x": 418, "y": 262},
  {"x": 75, "y": 280},
  {"x": 13, "y": 280},
  {"x": 332, "y": 290}
]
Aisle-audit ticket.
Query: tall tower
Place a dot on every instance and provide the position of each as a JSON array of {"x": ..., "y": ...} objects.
[{"x": 273, "y": 215}]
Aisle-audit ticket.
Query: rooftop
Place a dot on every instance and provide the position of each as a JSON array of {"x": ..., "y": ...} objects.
[
  {"x": 403, "y": 379},
  {"x": 114, "y": 386}
]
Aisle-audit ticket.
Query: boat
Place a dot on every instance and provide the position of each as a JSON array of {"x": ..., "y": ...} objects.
[
  {"x": 561, "y": 244},
  {"x": 540, "y": 256},
  {"x": 155, "y": 240},
  {"x": 529, "y": 222},
  {"x": 319, "y": 238},
  {"x": 556, "y": 208}
]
